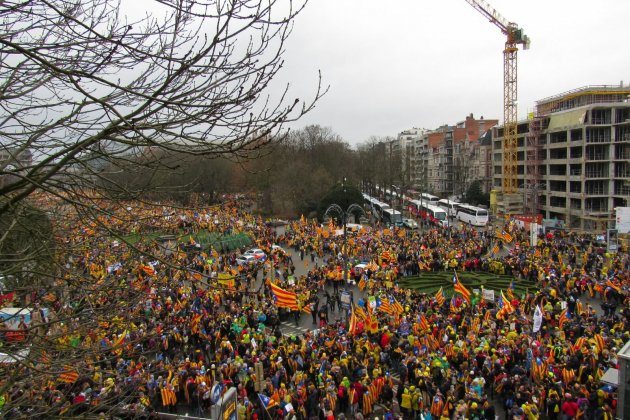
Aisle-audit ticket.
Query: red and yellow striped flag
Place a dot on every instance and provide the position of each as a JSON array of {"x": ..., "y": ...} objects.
[
  {"x": 69, "y": 375},
  {"x": 568, "y": 375},
  {"x": 486, "y": 316},
  {"x": 439, "y": 297},
  {"x": 460, "y": 288},
  {"x": 563, "y": 318},
  {"x": 284, "y": 299},
  {"x": 424, "y": 324},
  {"x": 599, "y": 341}
]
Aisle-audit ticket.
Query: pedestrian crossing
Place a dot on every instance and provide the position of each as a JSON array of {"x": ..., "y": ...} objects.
[{"x": 289, "y": 328}]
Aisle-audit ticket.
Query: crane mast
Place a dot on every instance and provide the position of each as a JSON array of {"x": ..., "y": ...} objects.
[{"x": 515, "y": 36}]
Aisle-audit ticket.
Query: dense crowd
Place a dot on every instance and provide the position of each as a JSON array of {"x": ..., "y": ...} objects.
[{"x": 191, "y": 318}]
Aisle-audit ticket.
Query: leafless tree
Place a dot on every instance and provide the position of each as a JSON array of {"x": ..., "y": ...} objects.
[
  {"x": 90, "y": 89},
  {"x": 84, "y": 88}
]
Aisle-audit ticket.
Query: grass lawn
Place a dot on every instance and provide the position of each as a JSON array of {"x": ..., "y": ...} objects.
[{"x": 430, "y": 282}]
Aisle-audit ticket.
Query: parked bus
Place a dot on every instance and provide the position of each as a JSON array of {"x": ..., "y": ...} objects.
[
  {"x": 434, "y": 214},
  {"x": 392, "y": 217},
  {"x": 472, "y": 215},
  {"x": 429, "y": 199},
  {"x": 414, "y": 207},
  {"x": 449, "y": 206},
  {"x": 378, "y": 208}
]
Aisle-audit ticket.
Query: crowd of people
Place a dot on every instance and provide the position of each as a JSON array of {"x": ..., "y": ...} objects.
[{"x": 159, "y": 326}]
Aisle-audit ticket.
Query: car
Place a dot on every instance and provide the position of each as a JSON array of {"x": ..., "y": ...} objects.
[
  {"x": 245, "y": 260},
  {"x": 277, "y": 248},
  {"x": 410, "y": 223},
  {"x": 257, "y": 253}
]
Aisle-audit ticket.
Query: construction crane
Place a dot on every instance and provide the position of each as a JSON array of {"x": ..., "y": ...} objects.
[{"x": 515, "y": 36}]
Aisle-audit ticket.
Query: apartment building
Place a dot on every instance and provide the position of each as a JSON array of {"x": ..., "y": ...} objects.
[
  {"x": 573, "y": 158},
  {"x": 451, "y": 157}
]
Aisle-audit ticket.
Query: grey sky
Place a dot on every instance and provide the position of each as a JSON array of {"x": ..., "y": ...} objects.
[{"x": 412, "y": 63}]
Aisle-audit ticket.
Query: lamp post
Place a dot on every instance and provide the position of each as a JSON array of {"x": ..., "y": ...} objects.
[{"x": 335, "y": 208}]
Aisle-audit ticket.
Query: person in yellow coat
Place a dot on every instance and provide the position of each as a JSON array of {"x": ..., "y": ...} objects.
[{"x": 405, "y": 403}]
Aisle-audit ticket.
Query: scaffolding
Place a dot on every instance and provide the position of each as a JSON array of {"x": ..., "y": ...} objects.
[
  {"x": 586, "y": 95},
  {"x": 534, "y": 150}
]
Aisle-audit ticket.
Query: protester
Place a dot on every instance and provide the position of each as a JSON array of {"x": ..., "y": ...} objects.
[{"x": 203, "y": 320}]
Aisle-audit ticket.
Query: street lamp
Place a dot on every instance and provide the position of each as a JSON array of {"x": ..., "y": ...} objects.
[{"x": 336, "y": 208}]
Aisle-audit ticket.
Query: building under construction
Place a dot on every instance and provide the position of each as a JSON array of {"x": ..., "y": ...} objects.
[{"x": 573, "y": 158}]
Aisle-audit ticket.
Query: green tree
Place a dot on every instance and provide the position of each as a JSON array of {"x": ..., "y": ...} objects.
[
  {"x": 344, "y": 195},
  {"x": 475, "y": 195}
]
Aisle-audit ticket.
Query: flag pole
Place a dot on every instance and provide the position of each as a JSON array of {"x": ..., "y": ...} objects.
[{"x": 265, "y": 407}]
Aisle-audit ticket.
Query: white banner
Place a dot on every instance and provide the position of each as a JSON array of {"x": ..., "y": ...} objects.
[
  {"x": 538, "y": 317},
  {"x": 488, "y": 294}
]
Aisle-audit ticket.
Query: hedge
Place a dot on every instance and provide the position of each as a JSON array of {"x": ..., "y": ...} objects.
[{"x": 430, "y": 282}]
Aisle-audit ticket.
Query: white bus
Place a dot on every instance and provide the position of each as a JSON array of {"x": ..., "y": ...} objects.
[
  {"x": 472, "y": 215},
  {"x": 429, "y": 199},
  {"x": 378, "y": 207},
  {"x": 434, "y": 214},
  {"x": 392, "y": 217},
  {"x": 414, "y": 207},
  {"x": 449, "y": 206}
]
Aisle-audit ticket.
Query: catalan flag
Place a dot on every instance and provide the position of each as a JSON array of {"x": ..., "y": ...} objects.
[
  {"x": 460, "y": 288},
  {"x": 499, "y": 234},
  {"x": 507, "y": 305},
  {"x": 495, "y": 248},
  {"x": 475, "y": 325},
  {"x": 439, "y": 297},
  {"x": 424, "y": 324},
  {"x": 69, "y": 375},
  {"x": 362, "y": 283},
  {"x": 360, "y": 313},
  {"x": 507, "y": 237},
  {"x": 579, "y": 307},
  {"x": 599, "y": 341},
  {"x": 564, "y": 317},
  {"x": 283, "y": 298},
  {"x": 568, "y": 375},
  {"x": 486, "y": 316},
  {"x": 579, "y": 343},
  {"x": 352, "y": 325},
  {"x": 613, "y": 286},
  {"x": 148, "y": 269},
  {"x": 510, "y": 291}
]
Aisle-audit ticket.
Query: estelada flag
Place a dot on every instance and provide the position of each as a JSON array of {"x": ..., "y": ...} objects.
[
  {"x": 284, "y": 299},
  {"x": 564, "y": 317}
]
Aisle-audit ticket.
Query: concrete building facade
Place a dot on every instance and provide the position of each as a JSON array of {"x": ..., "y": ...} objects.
[{"x": 573, "y": 158}]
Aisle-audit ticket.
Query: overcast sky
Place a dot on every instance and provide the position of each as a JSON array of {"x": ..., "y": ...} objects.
[{"x": 393, "y": 65}]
